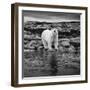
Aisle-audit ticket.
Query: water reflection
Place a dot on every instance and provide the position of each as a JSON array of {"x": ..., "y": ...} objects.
[
  {"x": 53, "y": 63},
  {"x": 46, "y": 63}
]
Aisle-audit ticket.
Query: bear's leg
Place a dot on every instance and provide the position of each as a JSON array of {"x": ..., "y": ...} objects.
[
  {"x": 50, "y": 45},
  {"x": 56, "y": 45},
  {"x": 45, "y": 44}
]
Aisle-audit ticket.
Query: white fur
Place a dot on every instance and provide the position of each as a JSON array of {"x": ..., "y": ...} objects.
[{"x": 50, "y": 37}]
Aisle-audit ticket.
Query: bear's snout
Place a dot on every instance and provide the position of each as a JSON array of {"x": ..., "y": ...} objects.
[{"x": 54, "y": 31}]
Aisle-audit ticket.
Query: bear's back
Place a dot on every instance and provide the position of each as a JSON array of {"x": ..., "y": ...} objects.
[{"x": 45, "y": 33}]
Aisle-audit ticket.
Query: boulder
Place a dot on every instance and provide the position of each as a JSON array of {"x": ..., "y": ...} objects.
[
  {"x": 71, "y": 49},
  {"x": 65, "y": 43}
]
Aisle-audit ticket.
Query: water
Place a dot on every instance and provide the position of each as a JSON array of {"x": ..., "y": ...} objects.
[{"x": 51, "y": 63}]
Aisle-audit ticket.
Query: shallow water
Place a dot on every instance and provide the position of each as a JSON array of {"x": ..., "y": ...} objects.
[{"x": 51, "y": 63}]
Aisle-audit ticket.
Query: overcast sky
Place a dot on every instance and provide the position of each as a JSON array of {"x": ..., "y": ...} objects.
[{"x": 50, "y": 16}]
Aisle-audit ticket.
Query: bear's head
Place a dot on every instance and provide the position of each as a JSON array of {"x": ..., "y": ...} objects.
[
  {"x": 54, "y": 34},
  {"x": 54, "y": 31}
]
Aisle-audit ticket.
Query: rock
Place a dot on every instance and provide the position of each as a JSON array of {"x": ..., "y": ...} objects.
[
  {"x": 65, "y": 43},
  {"x": 40, "y": 47},
  {"x": 37, "y": 63},
  {"x": 37, "y": 37},
  {"x": 31, "y": 43},
  {"x": 71, "y": 49},
  {"x": 61, "y": 48}
]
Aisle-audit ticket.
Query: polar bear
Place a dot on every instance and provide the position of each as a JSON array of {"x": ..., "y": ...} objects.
[{"x": 49, "y": 38}]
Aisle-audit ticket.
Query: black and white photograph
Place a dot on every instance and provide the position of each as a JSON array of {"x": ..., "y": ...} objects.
[{"x": 51, "y": 43}]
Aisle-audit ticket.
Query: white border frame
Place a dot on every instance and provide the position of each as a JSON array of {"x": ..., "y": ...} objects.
[{"x": 34, "y": 80}]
